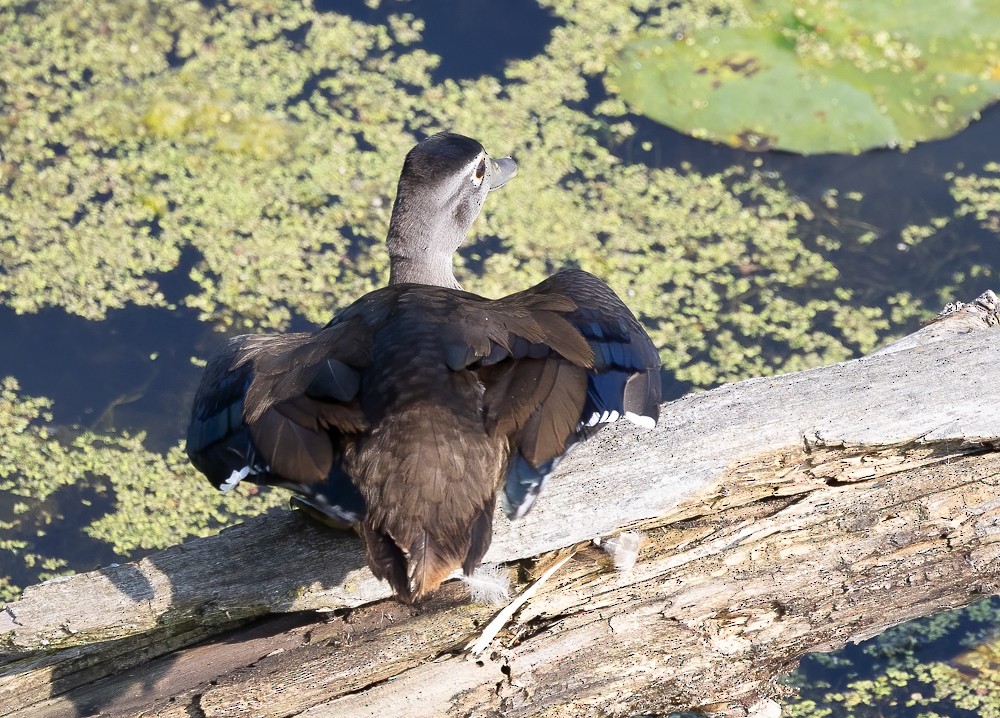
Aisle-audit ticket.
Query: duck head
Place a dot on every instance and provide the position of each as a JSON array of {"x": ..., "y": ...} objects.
[{"x": 442, "y": 188}]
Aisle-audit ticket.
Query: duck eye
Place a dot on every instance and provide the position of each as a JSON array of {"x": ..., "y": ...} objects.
[{"x": 481, "y": 169}]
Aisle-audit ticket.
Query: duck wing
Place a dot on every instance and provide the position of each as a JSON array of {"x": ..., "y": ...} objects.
[
  {"x": 278, "y": 409},
  {"x": 558, "y": 361}
]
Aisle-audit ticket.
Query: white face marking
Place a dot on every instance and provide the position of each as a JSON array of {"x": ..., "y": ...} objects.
[
  {"x": 234, "y": 478},
  {"x": 643, "y": 422},
  {"x": 478, "y": 169}
]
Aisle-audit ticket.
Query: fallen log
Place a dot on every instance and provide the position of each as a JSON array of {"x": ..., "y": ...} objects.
[{"x": 781, "y": 515}]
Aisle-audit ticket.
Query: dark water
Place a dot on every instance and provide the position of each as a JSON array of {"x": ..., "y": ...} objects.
[
  {"x": 899, "y": 188},
  {"x": 131, "y": 371},
  {"x": 472, "y": 37},
  {"x": 104, "y": 375}
]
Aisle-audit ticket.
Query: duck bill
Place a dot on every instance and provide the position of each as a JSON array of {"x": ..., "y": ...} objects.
[{"x": 503, "y": 169}]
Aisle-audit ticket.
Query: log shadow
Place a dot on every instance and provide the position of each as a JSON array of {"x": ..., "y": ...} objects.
[{"x": 128, "y": 579}]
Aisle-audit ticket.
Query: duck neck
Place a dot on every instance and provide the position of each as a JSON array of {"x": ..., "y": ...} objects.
[
  {"x": 427, "y": 268},
  {"x": 421, "y": 251}
]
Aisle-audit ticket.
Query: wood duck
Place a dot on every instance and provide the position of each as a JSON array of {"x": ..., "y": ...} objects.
[{"x": 416, "y": 404}]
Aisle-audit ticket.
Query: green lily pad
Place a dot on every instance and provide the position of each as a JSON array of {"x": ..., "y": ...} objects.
[{"x": 821, "y": 75}]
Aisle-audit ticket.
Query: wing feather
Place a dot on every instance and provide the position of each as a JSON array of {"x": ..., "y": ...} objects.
[{"x": 578, "y": 359}]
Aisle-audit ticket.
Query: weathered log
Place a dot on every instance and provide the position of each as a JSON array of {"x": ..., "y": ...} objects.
[{"x": 790, "y": 544}]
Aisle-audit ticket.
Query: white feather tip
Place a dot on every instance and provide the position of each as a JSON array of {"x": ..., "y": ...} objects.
[{"x": 640, "y": 420}]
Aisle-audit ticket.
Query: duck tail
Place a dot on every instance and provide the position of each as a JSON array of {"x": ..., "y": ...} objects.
[{"x": 417, "y": 563}]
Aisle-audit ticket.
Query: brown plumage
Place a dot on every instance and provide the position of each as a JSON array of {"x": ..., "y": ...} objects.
[{"x": 415, "y": 405}]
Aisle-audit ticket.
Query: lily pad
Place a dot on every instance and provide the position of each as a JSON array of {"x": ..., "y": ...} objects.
[{"x": 816, "y": 76}]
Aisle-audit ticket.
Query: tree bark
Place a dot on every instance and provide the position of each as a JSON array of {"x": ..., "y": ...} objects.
[{"x": 780, "y": 515}]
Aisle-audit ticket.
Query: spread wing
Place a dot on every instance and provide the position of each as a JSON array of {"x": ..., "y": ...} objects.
[
  {"x": 557, "y": 361},
  {"x": 278, "y": 409}
]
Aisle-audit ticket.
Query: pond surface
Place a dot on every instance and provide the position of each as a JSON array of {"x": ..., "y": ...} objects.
[{"x": 134, "y": 372}]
